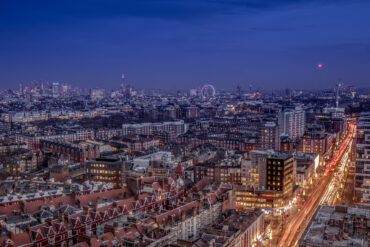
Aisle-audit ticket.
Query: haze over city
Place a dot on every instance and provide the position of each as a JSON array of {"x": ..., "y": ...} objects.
[{"x": 183, "y": 44}]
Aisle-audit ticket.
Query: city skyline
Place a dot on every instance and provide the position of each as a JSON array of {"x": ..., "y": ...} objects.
[
  {"x": 178, "y": 45},
  {"x": 178, "y": 123}
]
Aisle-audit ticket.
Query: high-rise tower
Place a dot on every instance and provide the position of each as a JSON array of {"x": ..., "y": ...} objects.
[
  {"x": 122, "y": 83},
  {"x": 339, "y": 85},
  {"x": 292, "y": 122},
  {"x": 56, "y": 89},
  {"x": 21, "y": 87}
]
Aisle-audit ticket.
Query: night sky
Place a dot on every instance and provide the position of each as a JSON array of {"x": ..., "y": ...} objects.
[{"x": 175, "y": 44}]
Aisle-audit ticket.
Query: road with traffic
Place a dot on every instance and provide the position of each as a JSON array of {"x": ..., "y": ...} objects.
[{"x": 322, "y": 192}]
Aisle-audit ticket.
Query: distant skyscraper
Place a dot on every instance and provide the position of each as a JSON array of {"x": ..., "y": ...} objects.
[
  {"x": 97, "y": 94},
  {"x": 65, "y": 89},
  {"x": 288, "y": 93},
  {"x": 339, "y": 85},
  {"x": 238, "y": 90},
  {"x": 21, "y": 87},
  {"x": 122, "y": 83},
  {"x": 193, "y": 92},
  {"x": 56, "y": 89},
  {"x": 292, "y": 123},
  {"x": 42, "y": 88}
]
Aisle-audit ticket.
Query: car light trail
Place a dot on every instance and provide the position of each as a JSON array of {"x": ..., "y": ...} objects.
[{"x": 324, "y": 193}]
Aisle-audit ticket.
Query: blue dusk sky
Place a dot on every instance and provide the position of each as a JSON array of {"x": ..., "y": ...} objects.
[{"x": 174, "y": 44}]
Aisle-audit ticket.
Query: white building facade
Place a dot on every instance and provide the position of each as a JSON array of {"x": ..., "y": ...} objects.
[
  {"x": 292, "y": 123},
  {"x": 362, "y": 169}
]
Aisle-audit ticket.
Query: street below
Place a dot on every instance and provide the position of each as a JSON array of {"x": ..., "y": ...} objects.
[{"x": 323, "y": 193}]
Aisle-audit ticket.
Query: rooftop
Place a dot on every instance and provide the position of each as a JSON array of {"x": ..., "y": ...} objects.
[{"x": 337, "y": 226}]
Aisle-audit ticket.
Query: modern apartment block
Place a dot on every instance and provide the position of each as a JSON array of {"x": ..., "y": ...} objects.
[
  {"x": 178, "y": 127},
  {"x": 292, "y": 123},
  {"x": 269, "y": 136},
  {"x": 362, "y": 169}
]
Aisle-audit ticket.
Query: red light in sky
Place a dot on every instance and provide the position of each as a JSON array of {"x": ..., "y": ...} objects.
[{"x": 319, "y": 65}]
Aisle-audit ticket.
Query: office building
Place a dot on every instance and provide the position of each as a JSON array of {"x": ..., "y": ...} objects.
[
  {"x": 56, "y": 89},
  {"x": 106, "y": 170},
  {"x": 97, "y": 94},
  {"x": 275, "y": 181},
  {"x": 279, "y": 167}
]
